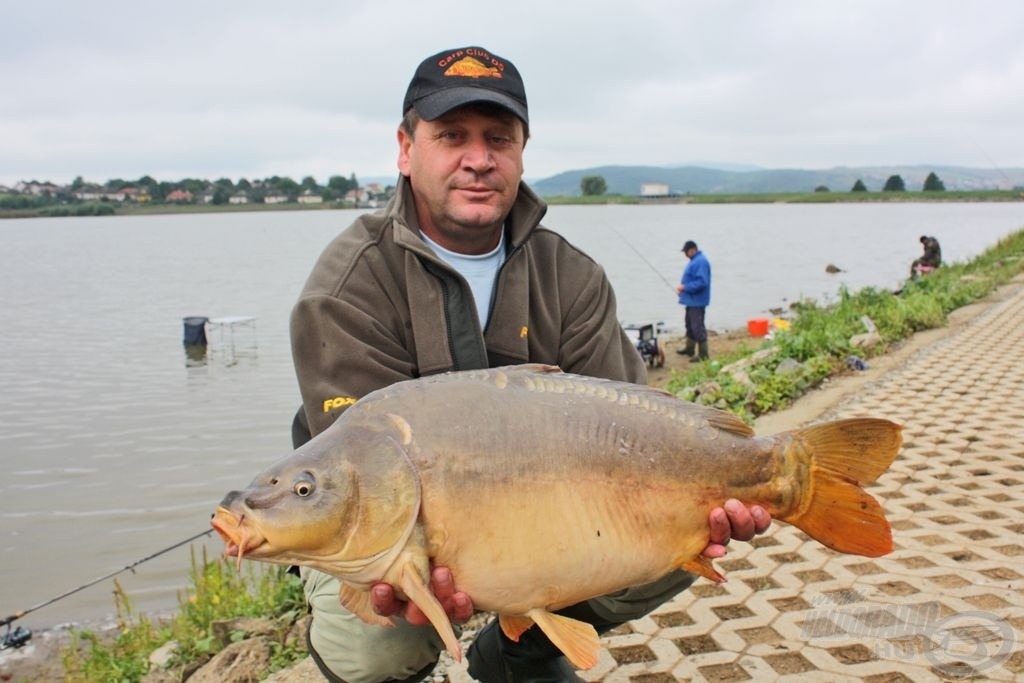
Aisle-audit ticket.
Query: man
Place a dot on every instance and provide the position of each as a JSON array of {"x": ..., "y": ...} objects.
[
  {"x": 930, "y": 260},
  {"x": 457, "y": 273},
  {"x": 694, "y": 290}
]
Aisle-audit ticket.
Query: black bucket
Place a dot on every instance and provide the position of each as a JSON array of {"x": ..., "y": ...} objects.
[{"x": 195, "y": 331}]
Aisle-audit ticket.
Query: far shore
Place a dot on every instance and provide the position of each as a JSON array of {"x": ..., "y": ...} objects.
[{"x": 605, "y": 199}]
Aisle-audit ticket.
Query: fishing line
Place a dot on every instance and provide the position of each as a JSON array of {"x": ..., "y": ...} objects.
[
  {"x": 643, "y": 258},
  {"x": 130, "y": 567}
]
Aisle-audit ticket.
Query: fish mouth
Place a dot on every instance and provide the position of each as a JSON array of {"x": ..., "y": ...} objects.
[{"x": 240, "y": 538}]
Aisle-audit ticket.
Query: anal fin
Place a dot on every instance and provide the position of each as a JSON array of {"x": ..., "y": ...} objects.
[
  {"x": 702, "y": 566},
  {"x": 576, "y": 639}
]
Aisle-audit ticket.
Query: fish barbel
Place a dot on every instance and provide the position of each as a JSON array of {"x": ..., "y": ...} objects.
[{"x": 539, "y": 490}]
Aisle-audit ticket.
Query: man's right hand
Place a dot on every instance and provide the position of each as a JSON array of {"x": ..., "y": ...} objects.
[{"x": 457, "y": 605}]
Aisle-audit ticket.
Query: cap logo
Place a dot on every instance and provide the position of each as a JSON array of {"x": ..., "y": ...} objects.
[
  {"x": 467, "y": 66},
  {"x": 472, "y": 63}
]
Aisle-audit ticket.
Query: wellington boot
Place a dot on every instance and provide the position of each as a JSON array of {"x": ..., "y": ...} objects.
[
  {"x": 688, "y": 349},
  {"x": 702, "y": 352}
]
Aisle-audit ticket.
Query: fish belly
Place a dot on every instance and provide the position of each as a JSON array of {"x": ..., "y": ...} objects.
[{"x": 564, "y": 542}]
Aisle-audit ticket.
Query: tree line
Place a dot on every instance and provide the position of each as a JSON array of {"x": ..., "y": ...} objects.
[{"x": 595, "y": 185}]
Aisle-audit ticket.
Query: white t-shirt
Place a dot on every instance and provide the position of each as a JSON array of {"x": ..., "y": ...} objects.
[{"x": 479, "y": 270}]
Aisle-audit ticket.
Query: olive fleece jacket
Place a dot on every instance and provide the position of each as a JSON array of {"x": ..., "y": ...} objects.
[{"x": 380, "y": 307}]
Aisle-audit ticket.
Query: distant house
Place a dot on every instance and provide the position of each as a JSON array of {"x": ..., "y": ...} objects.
[
  {"x": 653, "y": 190},
  {"x": 308, "y": 197},
  {"x": 275, "y": 198},
  {"x": 359, "y": 197},
  {"x": 37, "y": 189},
  {"x": 183, "y": 196},
  {"x": 94, "y": 193},
  {"x": 238, "y": 198}
]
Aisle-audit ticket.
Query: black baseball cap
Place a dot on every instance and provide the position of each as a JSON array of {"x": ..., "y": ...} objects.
[
  {"x": 456, "y": 77},
  {"x": 690, "y": 244}
]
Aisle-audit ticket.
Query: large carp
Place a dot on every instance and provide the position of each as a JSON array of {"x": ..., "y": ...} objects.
[{"x": 539, "y": 490}]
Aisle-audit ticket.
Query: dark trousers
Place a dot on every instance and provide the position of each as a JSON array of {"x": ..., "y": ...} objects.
[{"x": 695, "y": 329}]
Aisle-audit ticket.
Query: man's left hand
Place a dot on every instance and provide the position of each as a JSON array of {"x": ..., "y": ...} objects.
[
  {"x": 456, "y": 604},
  {"x": 734, "y": 520}
]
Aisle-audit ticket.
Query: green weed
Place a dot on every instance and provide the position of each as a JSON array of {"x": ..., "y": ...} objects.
[
  {"x": 819, "y": 337},
  {"x": 218, "y": 592}
]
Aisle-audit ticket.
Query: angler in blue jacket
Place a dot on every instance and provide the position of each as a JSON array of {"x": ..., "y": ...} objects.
[{"x": 694, "y": 292}]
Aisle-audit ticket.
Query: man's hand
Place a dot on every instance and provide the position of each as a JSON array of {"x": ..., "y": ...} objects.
[
  {"x": 734, "y": 521},
  {"x": 456, "y": 604}
]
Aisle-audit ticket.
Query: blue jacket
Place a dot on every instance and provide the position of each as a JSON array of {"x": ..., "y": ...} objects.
[{"x": 697, "y": 282}]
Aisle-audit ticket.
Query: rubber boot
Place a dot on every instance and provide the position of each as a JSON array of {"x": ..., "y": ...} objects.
[
  {"x": 493, "y": 658},
  {"x": 688, "y": 350},
  {"x": 702, "y": 352}
]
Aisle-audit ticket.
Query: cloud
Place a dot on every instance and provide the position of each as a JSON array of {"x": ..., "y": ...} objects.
[{"x": 261, "y": 88}]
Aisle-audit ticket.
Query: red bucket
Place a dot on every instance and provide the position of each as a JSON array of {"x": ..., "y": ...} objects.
[{"x": 758, "y": 327}]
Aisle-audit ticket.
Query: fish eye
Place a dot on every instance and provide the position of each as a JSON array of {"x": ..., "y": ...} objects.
[{"x": 303, "y": 488}]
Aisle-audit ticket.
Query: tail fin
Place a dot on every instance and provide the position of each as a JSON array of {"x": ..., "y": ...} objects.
[{"x": 843, "y": 456}]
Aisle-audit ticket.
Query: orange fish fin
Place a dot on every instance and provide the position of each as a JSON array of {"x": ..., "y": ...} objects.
[
  {"x": 357, "y": 601},
  {"x": 414, "y": 587},
  {"x": 702, "y": 566},
  {"x": 835, "y": 510},
  {"x": 514, "y": 626},
  {"x": 576, "y": 639}
]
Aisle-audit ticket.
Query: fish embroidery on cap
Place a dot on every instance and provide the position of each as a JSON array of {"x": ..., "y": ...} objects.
[{"x": 472, "y": 68}]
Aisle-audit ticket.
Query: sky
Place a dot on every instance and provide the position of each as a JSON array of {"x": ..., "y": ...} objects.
[{"x": 255, "y": 89}]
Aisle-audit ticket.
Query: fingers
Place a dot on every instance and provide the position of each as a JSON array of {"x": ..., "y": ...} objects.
[
  {"x": 456, "y": 603},
  {"x": 718, "y": 524},
  {"x": 383, "y": 601},
  {"x": 734, "y": 520},
  {"x": 740, "y": 522}
]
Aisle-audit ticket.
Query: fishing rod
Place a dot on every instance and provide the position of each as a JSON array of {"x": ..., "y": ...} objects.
[
  {"x": 20, "y": 636},
  {"x": 643, "y": 258}
]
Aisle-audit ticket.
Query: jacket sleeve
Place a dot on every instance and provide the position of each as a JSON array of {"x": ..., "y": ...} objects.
[
  {"x": 342, "y": 350},
  {"x": 697, "y": 278},
  {"x": 593, "y": 342}
]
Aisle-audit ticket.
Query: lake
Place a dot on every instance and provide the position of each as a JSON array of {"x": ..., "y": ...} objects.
[{"x": 117, "y": 444}]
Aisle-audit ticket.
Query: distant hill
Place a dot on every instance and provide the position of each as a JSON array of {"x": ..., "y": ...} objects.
[{"x": 683, "y": 180}]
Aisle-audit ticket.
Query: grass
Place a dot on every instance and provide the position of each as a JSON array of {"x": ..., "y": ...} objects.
[
  {"x": 818, "y": 341},
  {"x": 218, "y": 592}
]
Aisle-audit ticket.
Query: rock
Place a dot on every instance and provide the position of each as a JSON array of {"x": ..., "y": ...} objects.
[
  {"x": 789, "y": 366},
  {"x": 303, "y": 671},
  {"x": 866, "y": 340},
  {"x": 243, "y": 662},
  {"x": 224, "y": 630},
  {"x": 161, "y": 656},
  {"x": 752, "y": 359},
  {"x": 833, "y": 269}
]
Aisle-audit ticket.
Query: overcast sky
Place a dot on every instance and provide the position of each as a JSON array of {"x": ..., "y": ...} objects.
[{"x": 252, "y": 89}]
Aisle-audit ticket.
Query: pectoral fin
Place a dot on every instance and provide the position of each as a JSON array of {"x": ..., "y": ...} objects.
[
  {"x": 514, "y": 626},
  {"x": 357, "y": 601},
  {"x": 576, "y": 639},
  {"x": 417, "y": 591}
]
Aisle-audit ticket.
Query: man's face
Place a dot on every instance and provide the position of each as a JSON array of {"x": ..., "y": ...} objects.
[{"x": 465, "y": 169}]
